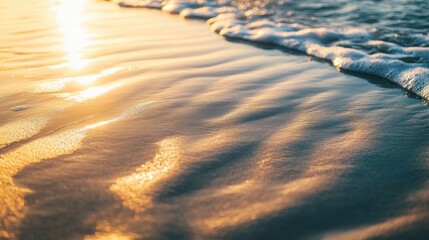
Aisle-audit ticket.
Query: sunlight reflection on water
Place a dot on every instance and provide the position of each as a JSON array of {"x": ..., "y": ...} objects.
[
  {"x": 12, "y": 201},
  {"x": 82, "y": 81},
  {"x": 193, "y": 136},
  {"x": 75, "y": 38},
  {"x": 89, "y": 93},
  {"x": 137, "y": 188}
]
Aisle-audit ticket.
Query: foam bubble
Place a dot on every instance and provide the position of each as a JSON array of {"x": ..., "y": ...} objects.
[{"x": 366, "y": 51}]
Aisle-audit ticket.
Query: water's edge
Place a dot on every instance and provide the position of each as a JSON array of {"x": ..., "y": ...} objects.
[{"x": 354, "y": 50}]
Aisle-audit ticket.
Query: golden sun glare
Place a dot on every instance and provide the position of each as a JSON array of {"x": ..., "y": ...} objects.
[{"x": 74, "y": 36}]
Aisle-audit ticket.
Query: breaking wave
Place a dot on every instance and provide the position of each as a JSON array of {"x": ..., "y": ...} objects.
[{"x": 351, "y": 35}]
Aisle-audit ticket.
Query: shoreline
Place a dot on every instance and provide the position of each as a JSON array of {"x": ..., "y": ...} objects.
[
  {"x": 413, "y": 78},
  {"x": 142, "y": 125}
]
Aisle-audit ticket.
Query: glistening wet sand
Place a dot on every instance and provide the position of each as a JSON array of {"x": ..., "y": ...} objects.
[{"x": 133, "y": 124}]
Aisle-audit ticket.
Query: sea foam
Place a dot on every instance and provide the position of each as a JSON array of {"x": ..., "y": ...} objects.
[{"x": 401, "y": 59}]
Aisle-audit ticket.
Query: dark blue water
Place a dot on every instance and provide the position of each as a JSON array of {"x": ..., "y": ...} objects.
[{"x": 400, "y": 17}]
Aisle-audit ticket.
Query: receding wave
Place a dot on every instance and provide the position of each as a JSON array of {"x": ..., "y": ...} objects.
[{"x": 386, "y": 51}]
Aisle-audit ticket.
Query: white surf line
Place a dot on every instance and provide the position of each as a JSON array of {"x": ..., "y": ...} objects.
[
  {"x": 12, "y": 201},
  {"x": 307, "y": 40}
]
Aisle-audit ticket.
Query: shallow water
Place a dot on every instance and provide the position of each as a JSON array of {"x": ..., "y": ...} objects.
[
  {"x": 131, "y": 124},
  {"x": 387, "y": 39}
]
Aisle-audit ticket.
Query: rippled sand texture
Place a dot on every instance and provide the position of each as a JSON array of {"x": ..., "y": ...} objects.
[
  {"x": 131, "y": 124},
  {"x": 135, "y": 189}
]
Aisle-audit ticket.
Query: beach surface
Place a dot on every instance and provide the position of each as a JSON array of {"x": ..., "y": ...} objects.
[{"x": 125, "y": 123}]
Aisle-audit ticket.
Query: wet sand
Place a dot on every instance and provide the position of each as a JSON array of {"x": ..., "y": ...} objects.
[{"x": 133, "y": 124}]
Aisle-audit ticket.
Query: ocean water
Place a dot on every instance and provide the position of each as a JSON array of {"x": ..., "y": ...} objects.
[
  {"x": 387, "y": 39},
  {"x": 130, "y": 123}
]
